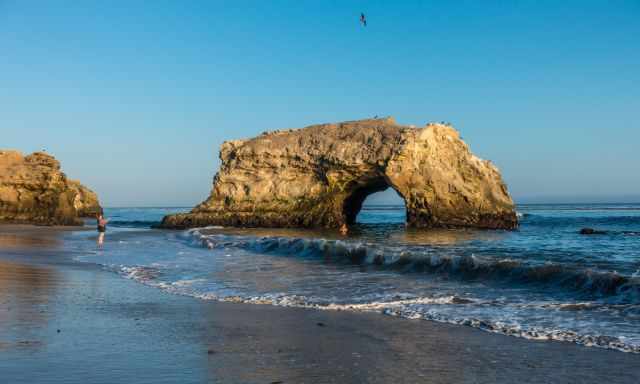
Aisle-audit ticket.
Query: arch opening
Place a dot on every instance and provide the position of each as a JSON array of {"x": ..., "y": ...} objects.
[{"x": 375, "y": 202}]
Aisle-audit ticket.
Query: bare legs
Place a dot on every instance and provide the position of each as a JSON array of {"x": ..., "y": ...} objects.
[{"x": 100, "y": 239}]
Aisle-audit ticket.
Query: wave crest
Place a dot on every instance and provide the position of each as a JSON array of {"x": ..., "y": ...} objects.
[
  {"x": 588, "y": 282},
  {"x": 418, "y": 308}
]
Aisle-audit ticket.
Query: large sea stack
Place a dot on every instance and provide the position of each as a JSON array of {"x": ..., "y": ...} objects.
[
  {"x": 34, "y": 190},
  {"x": 320, "y": 175}
]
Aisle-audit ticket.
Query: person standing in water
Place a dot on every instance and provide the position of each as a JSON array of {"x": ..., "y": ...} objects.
[{"x": 102, "y": 228}]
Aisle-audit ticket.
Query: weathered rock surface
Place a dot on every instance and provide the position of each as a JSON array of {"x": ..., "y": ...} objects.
[
  {"x": 320, "y": 175},
  {"x": 34, "y": 190},
  {"x": 86, "y": 201}
]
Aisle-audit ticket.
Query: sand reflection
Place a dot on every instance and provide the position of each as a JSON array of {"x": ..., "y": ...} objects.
[
  {"x": 25, "y": 295},
  {"x": 29, "y": 237}
]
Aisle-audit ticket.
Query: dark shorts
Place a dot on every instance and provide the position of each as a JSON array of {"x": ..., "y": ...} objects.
[{"x": 102, "y": 229}]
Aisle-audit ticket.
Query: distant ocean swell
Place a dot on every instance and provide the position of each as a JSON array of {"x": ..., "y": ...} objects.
[
  {"x": 133, "y": 223},
  {"x": 586, "y": 283},
  {"x": 622, "y": 221}
]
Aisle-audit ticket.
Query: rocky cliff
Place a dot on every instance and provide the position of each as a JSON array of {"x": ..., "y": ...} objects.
[
  {"x": 320, "y": 175},
  {"x": 33, "y": 189},
  {"x": 86, "y": 201}
]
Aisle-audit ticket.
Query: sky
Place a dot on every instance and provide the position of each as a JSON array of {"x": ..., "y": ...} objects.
[{"x": 135, "y": 97}]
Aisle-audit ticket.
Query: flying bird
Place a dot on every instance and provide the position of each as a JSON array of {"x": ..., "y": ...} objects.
[{"x": 363, "y": 19}]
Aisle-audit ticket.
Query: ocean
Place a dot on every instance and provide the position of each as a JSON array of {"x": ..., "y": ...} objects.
[{"x": 544, "y": 281}]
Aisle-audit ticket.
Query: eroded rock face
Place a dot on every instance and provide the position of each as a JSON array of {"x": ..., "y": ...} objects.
[
  {"x": 34, "y": 190},
  {"x": 319, "y": 176},
  {"x": 86, "y": 201}
]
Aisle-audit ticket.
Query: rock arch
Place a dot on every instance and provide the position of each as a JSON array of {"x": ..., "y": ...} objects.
[
  {"x": 320, "y": 175},
  {"x": 352, "y": 203}
]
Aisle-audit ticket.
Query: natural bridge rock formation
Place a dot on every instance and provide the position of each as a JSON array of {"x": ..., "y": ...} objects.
[
  {"x": 319, "y": 176},
  {"x": 34, "y": 190}
]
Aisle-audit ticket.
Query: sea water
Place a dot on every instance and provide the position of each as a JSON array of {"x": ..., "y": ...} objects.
[{"x": 544, "y": 281}]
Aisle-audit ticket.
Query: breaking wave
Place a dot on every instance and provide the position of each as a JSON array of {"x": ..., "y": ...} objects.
[
  {"x": 587, "y": 283},
  {"x": 405, "y": 306},
  {"x": 544, "y": 282}
]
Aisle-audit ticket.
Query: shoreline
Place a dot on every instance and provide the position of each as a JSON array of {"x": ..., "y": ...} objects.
[{"x": 113, "y": 329}]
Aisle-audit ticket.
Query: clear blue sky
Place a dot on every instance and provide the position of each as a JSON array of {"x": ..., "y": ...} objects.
[{"x": 135, "y": 97}]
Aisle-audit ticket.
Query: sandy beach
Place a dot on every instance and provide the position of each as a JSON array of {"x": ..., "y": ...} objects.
[{"x": 67, "y": 322}]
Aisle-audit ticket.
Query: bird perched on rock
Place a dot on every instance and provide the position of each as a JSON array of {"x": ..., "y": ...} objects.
[{"x": 363, "y": 19}]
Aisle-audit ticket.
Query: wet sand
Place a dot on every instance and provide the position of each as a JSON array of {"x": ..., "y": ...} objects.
[{"x": 67, "y": 322}]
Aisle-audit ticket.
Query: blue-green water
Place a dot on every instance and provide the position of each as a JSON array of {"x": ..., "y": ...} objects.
[{"x": 543, "y": 281}]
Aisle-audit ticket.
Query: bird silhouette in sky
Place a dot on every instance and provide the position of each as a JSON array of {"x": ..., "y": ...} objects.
[{"x": 363, "y": 19}]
